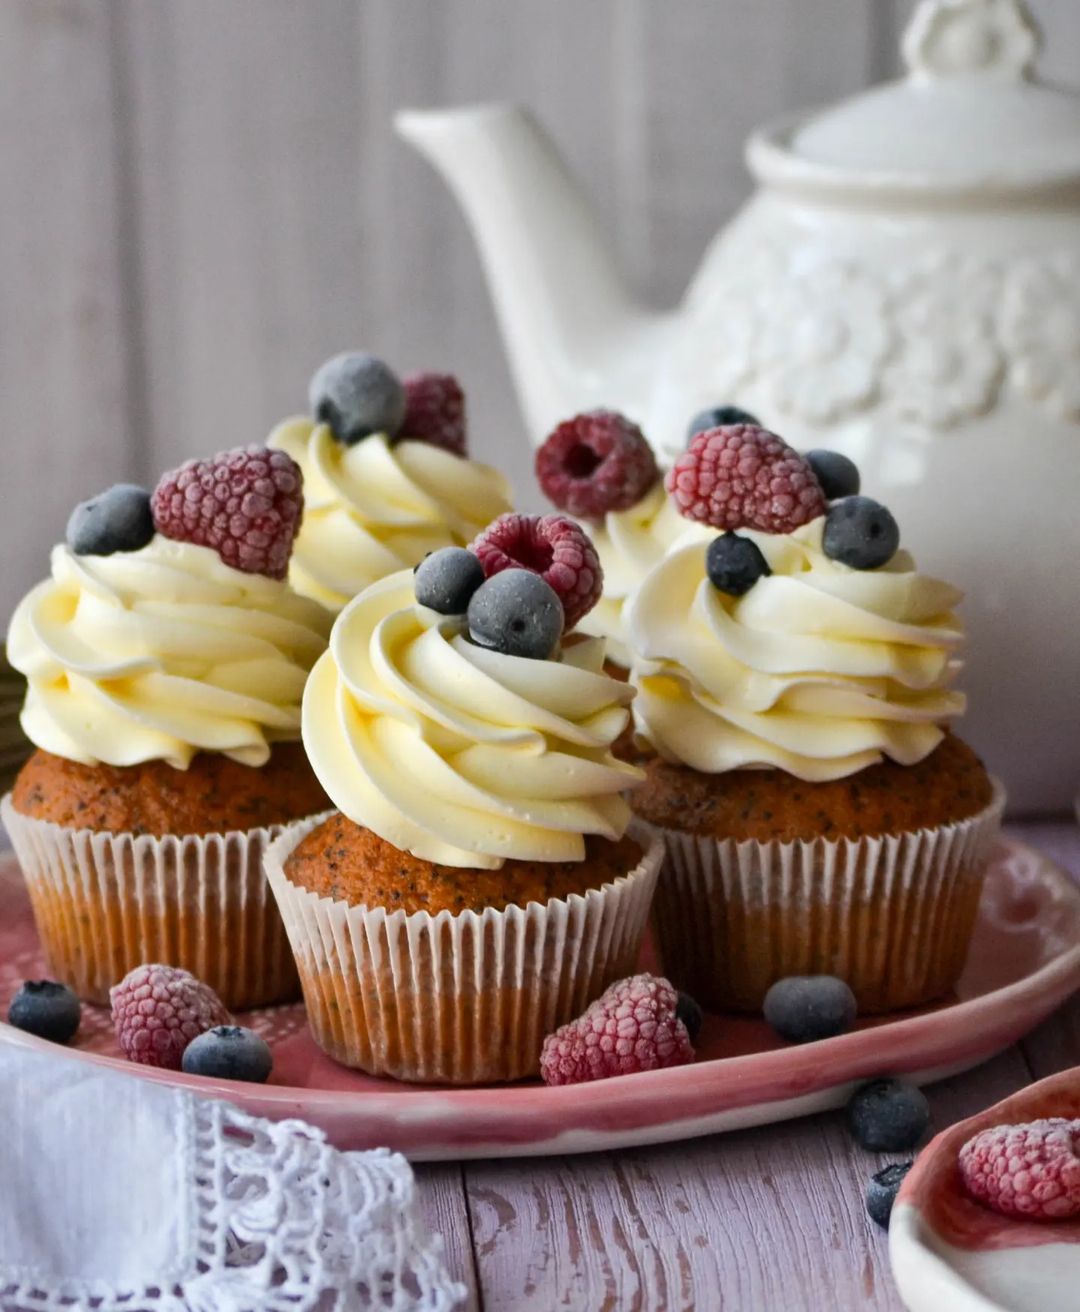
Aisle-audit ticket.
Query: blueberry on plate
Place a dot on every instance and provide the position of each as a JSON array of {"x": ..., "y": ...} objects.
[
  {"x": 117, "y": 520},
  {"x": 888, "y": 1116},
  {"x": 860, "y": 532},
  {"x": 517, "y": 613},
  {"x": 838, "y": 476},
  {"x": 447, "y": 579},
  {"x": 689, "y": 1012},
  {"x": 882, "y": 1190},
  {"x": 356, "y": 394},
  {"x": 804, "y": 1008},
  {"x": 734, "y": 564},
  {"x": 719, "y": 417},
  {"x": 47, "y": 1009},
  {"x": 229, "y": 1052}
]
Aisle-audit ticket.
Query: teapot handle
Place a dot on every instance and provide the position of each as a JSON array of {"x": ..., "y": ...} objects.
[{"x": 963, "y": 38}]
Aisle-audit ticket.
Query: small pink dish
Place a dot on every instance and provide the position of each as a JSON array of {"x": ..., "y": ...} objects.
[
  {"x": 1024, "y": 961},
  {"x": 950, "y": 1252}
]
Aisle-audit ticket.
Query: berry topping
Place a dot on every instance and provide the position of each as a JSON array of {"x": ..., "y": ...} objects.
[
  {"x": 594, "y": 463},
  {"x": 861, "y": 533},
  {"x": 745, "y": 477},
  {"x": 888, "y": 1116},
  {"x": 734, "y": 564},
  {"x": 552, "y": 546},
  {"x": 1027, "y": 1171},
  {"x": 229, "y": 1052},
  {"x": 719, "y": 417},
  {"x": 691, "y": 1015},
  {"x": 882, "y": 1190},
  {"x": 158, "y": 1010},
  {"x": 116, "y": 520},
  {"x": 435, "y": 412},
  {"x": 245, "y": 504},
  {"x": 838, "y": 476},
  {"x": 356, "y": 394},
  {"x": 47, "y": 1009},
  {"x": 632, "y": 1027},
  {"x": 802, "y": 1008},
  {"x": 517, "y": 613},
  {"x": 446, "y": 580}
]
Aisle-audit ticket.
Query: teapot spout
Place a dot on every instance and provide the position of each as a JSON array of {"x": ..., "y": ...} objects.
[{"x": 573, "y": 332}]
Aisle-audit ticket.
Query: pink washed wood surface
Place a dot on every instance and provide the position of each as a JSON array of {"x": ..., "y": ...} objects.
[{"x": 765, "y": 1220}]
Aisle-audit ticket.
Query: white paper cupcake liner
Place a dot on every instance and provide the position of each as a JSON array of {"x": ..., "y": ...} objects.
[
  {"x": 457, "y": 999},
  {"x": 892, "y": 915},
  {"x": 105, "y": 903}
]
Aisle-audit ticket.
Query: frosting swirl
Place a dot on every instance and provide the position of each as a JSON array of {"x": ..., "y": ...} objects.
[
  {"x": 458, "y": 754},
  {"x": 819, "y": 670},
  {"x": 161, "y": 653},
  {"x": 373, "y": 508}
]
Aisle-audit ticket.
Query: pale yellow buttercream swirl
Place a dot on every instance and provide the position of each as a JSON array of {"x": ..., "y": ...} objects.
[
  {"x": 161, "y": 653},
  {"x": 458, "y": 754},
  {"x": 820, "y": 669},
  {"x": 376, "y": 507}
]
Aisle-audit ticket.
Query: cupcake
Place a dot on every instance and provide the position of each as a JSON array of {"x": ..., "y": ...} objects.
[
  {"x": 478, "y": 884},
  {"x": 386, "y": 476},
  {"x": 165, "y": 659},
  {"x": 795, "y": 683}
]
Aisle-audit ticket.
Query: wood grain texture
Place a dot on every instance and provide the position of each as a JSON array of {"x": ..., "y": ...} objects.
[{"x": 440, "y": 1191}]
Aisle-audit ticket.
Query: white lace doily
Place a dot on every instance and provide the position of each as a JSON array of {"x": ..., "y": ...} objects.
[{"x": 119, "y": 1195}]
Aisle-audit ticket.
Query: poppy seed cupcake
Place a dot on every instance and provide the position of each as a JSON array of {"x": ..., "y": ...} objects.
[{"x": 795, "y": 682}]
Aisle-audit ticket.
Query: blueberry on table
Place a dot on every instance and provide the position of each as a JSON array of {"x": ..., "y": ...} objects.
[
  {"x": 719, "y": 417},
  {"x": 46, "y": 1009},
  {"x": 860, "y": 532},
  {"x": 882, "y": 1190},
  {"x": 517, "y": 613},
  {"x": 117, "y": 520},
  {"x": 734, "y": 564},
  {"x": 838, "y": 476},
  {"x": 356, "y": 394},
  {"x": 888, "y": 1116},
  {"x": 804, "y": 1008},
  {"x": 229, "y": 1052},
  {"x": 447, "y": 579}
]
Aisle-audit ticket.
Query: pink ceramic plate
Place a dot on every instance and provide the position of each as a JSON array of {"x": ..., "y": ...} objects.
[
  {"x": 1025, "y": 960},
  {"x": 949, "y": 1252}
]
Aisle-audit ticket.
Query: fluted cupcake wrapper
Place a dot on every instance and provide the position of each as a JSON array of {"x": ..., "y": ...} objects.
[
  {"x": 457, "y": 999},
  {"x": 105, "y": 903},
  {"x": 892, "y": 915}
]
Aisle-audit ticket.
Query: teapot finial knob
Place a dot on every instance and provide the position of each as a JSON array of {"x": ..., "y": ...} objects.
[{"x": 951, "y": 38}]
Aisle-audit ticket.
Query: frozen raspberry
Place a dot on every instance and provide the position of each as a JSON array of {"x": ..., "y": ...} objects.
[
  {"x": 158, "y": 1010},
  {"x": 742, "y": 476},
  {"x": 594, "y": 463},
  {"x": 245, "y": 504},
  {"x": 552, "y": 546},
  {"x": 1028, "y": 1171},
  {"x": 634, "y": 1026},
  {"x": 435, "y": 412}
]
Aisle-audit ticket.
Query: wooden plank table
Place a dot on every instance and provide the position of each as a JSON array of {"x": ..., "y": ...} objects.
[{"x": 765, "y": 1220}]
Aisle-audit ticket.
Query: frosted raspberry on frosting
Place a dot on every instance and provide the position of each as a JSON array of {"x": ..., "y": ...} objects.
[{"x": 552, "y": 546}]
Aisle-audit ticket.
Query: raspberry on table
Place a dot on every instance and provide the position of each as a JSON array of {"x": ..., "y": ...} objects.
[
  {"x": 742, "y": 476},
  {"x": 554, "y": 547},
  {"x": 435, "y": 412},
  {"x": 1030, "y": 1171},
  {"x": 158, "y": 1010},
  {"x": 595, "y": 463},
  {"x": 245, "y": 504},
  {"x": 634, "y": 1026}
]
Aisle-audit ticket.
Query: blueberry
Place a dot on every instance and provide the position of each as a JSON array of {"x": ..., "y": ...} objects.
[
  {"x": 47, "y": 1009},
  {"x": 838, "y": 476},
  {"x": 446, "y": 580},
  {"x": 861, "y": 533},
  {"x": 518, "y": 613},
  {"x": 882, "y": 1190},
  {"x": 117, "y": 520},
  {"x": 802, "y": 1008},
  {"x": 734, "y": 564},
  {"x": 718, "y": 417},
  {"x": 229, "y": 1052},
  {"x": 888, "y": 1116},
  {"x": 357, "y": 395},
  {"x": 691, "y": 1015}
]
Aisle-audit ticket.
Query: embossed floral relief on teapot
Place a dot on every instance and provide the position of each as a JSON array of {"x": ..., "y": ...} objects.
[{"x": 904, "y": 287}]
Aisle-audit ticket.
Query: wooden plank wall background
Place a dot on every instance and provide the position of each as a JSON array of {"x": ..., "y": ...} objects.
[{"x": 199, "y": 201}]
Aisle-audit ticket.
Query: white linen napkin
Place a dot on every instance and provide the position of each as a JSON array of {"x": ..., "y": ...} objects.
[{"x": 121, "y": 1195}]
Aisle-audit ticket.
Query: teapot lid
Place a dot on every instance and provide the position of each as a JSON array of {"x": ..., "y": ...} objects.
[{"x": 970, "y": 116}]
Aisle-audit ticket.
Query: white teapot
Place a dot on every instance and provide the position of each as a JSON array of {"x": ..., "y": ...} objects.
[{"x": 904, "y": 287}]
